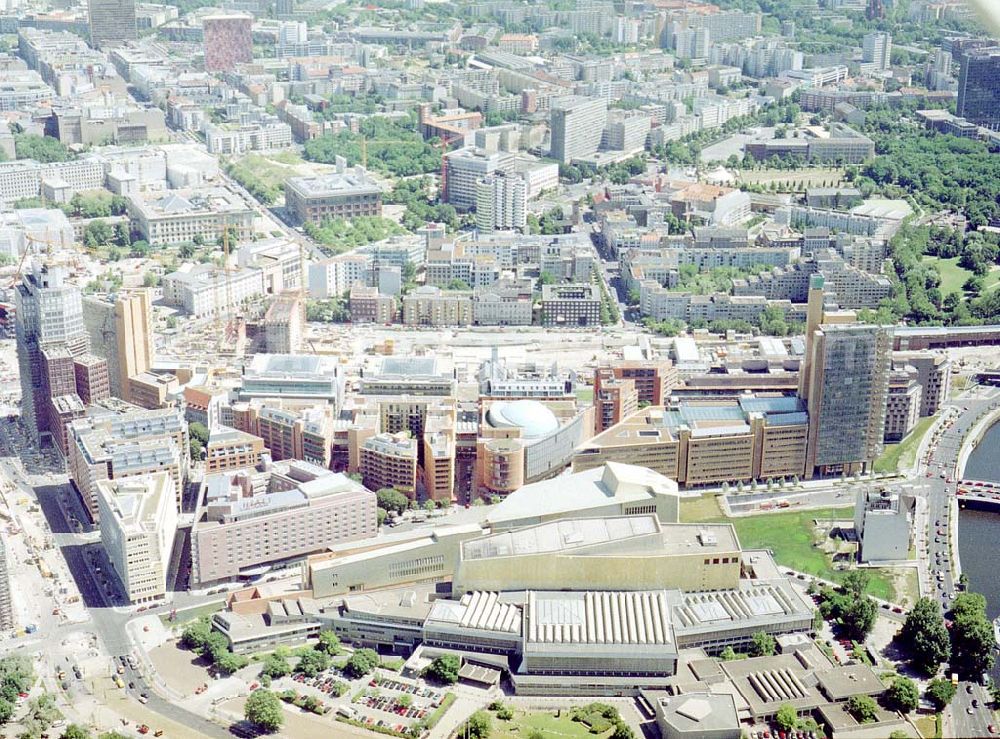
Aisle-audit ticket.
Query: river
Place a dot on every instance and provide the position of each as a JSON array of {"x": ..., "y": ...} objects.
[{"x": 977, "y": 530}]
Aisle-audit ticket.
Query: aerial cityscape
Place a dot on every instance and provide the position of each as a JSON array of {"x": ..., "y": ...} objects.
[{"x": 511, "y": 369}]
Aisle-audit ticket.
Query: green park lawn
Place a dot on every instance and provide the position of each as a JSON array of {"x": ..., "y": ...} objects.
[
  {"x": 904, "y": 453},
  {"x": 544, "y": 721},
  {"x": 791, "y": 536},
  {"x": 953, "y": 276}
]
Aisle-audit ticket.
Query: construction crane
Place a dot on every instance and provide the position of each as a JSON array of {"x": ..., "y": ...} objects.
[
  {"x": 24, "y": 256},
  {"x": 229, "y": 334}
]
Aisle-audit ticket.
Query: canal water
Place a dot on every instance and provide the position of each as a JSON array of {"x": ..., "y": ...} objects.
[{"x": 978, "y": 530}]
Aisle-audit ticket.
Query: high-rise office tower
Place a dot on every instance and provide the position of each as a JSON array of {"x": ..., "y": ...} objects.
[
  {"x": 577, "y": 127},
  {"x": 53, "y": 354},
  {"x": 112, "y": 22},
  {"x": 120, "y": 330},
  {"x": 979, "y": 87},
  {"x": 228, "y": 41},
  {"x": 844, "y": 380},
  {"x": 877, "y": 50}
]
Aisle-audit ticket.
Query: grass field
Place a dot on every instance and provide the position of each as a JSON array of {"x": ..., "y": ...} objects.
[
  {"x": 903, "y": 454},
  {"x": 272, "y": 169},
  {"x": 703, "y": 508},
  {"x": 793, "y": 539},
  {"x": 953, "y": 276},
  {"x": 927, "y": 726},
  {"x": 585, "y": 394},
  {"x": 544, "y": 722}
]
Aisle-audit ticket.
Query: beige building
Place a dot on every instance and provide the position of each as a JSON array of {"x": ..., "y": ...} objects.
[
  {"x": 251, "y": 519},
  {"x": 439, "y": 464},
  {"x": 610, "y": 490},
  {"x": 601, "y": 554},
  {"x": 120, "y": 330},
  {"x": 390, "y": 461},
  {"x": 432, "y": 306},
  {"x": 138, "y": 519},
  {"x": 387, "y": 561},
  {"x": 182, "y": 215},
  {"x": 126, "y": 442},
  {"x": 708, "y": 441},
  {"x": 231, "y": 449},
  {"x": 284, "y": 325}
]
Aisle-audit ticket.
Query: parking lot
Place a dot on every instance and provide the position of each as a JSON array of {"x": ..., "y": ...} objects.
[{"x": 394, "y": 703}]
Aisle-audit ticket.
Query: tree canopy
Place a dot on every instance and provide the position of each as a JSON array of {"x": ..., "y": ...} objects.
[
  {"x": 263, "y": 709},
  {"x": 925, "y": 637}
]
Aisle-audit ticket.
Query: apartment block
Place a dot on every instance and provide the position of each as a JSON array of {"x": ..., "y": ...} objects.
[
  {"x": 367, "y": 305},
  {"x": 577, "y": 126},
  {"x": 902, "y": 405},
  {"x": 933, "y": 375},
  {"x": 119, "y": 441},
  {"x": 432, "y": 306},
  {"x": 653, "y": 379},
  {"x": 231, "y": 449},
  {"x": 501, "y": 204},
  {"x": 614, "y": 401},
  {"x": 389, "y": 460},
  {"x": 570, "y": 306}
]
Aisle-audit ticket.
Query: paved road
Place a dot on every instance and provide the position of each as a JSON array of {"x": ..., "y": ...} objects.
[
  {"x": 942, "y": 460},
  {"x": 100, "y": 592}
]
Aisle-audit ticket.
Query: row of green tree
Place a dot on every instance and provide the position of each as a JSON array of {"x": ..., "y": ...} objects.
[
  {"x": 340, "y": 235},
  {"x": 393, "y": 147}
]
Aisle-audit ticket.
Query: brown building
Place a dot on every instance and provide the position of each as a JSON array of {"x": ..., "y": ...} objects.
[
  {"x": 390, "y": 461},
  {"x": 707, "y": 441},
  {"x": 92, "y": 380},
  {"x": 152, "y": 390},
  {"x": 284, "y": 324},
  {"x": 228, "y": 41},
  {"x": 343, "y": 194},
  {"x": 616, "y": 400},
  {"x": 367, "y": 305},
  {"x": 653, "y": 379}
]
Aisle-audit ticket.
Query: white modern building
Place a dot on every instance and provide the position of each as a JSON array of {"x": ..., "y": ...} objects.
[
  {"x": 577, "y": 127},
  {"x": 501, "y": 204},
  {"x": 138, "y": 523},
  {"x": 883, "y": 520}
]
